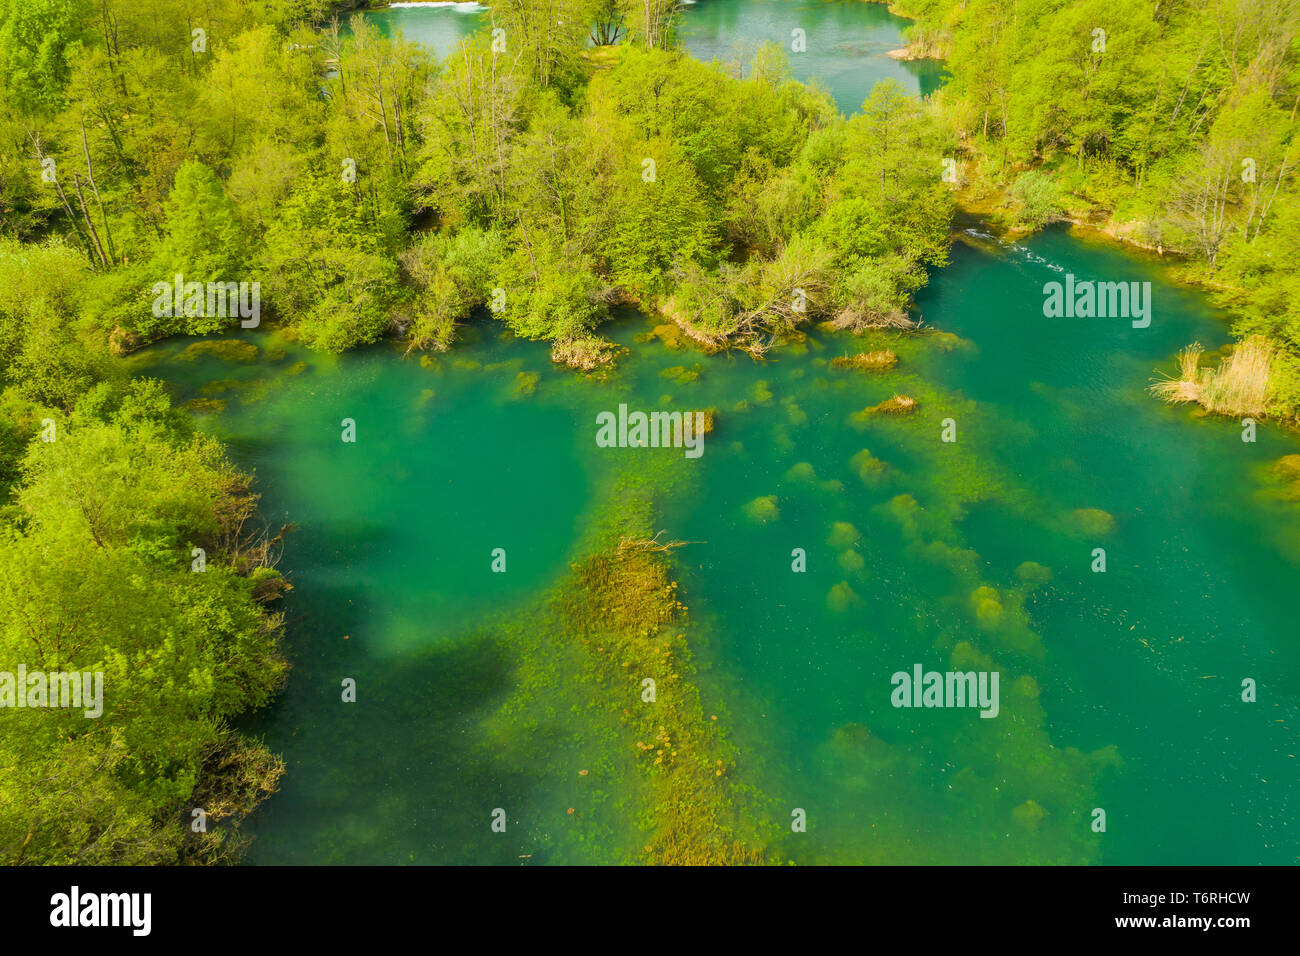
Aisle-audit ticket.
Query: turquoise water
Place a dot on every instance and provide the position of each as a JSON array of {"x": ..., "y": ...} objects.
[
  {"x": 1147, "y": 657},
  {"x": 1135, "y": 705},
  {"x": 845, "y": 43},
  {"x": 1120, "y": 690},
  {"x": 438, "y": 26}
]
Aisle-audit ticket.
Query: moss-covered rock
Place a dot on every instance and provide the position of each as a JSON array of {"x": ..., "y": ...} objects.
[
  {"x": 763, "y": 510},
  {"x": 842, "y": 597},
  {"x": 228, "y": 350},
  {"x": 843, "y": 536}
]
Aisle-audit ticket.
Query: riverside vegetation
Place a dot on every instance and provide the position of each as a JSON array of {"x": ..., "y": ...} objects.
[
  {"x": 145, "y": 141},
  {"x": 375, "y": 191},
  {"x": 1170, "y": 124}
]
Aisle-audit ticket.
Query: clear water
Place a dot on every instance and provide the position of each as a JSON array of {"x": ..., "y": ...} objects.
[
  {"x": 438, "y": 26},
  {"x": 845, "y": 43},
  {"x": 1138, "y": 669},
  {"x": 1119, "y": 691},
  {"x": 844, "y": 49}
]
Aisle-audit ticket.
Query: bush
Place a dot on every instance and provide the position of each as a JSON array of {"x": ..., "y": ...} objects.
[{"x": 1039, "y": 199}]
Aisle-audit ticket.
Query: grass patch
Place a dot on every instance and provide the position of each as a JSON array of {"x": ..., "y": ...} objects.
[
  {"x": 877, "y": 361},
  {"x": 1238, "y": 387},
  {"x": 622, "y": 605}
]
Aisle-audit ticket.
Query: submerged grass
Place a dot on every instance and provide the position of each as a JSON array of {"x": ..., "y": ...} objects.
[
  {"x": 876, "y": 361},
  {"x": 622, "y": 605}
]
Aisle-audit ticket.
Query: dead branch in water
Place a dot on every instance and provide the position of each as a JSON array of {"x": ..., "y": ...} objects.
[{"x": 626, "y": 545}]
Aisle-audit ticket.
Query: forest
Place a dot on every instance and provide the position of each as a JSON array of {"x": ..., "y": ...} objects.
[{"x": 567, "y": 161}]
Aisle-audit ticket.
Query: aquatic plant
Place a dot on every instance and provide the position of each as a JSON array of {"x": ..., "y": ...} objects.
[
  {"x": 868, "y": 467},
  {"x": 526, "y": 383},
  {"x": 708, "y": 414},
  {"x": 841, "y": 597},
  {"x": 852, "y": 562},
  {"x": 585, "y": 352},
  {"x": 1092, "y": 522},
  {"x": 867, "y": 361},
  {"x": 622, "y": 604},
  {"x": 1238, "y": 386},
  {"x": 763, "y": 509},
  {"x": 1033, "y": 574},
  {"x": 1029, "y": 814},
  {"x": 671, "y": 336},
  {"x": 681, "y": 374},
  {"x": 843, "y": 536},
  {"x": 898, "y": 405},
  {"x": 228, "y": 350},
  {"x": 200, "y": 405}
]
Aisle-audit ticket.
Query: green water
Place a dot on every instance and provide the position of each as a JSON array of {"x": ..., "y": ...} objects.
[
  {"x": 1120, "y": 690},
  {"x": 845, "y": 49},
  {"x": 1137, "y": 670},
  {"x": 438, "y": 26}
]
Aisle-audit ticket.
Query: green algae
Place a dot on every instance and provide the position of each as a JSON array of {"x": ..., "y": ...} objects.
[
  {"x": 220, "y": 385},
  {"x": 868, "y": 467},
  {"x": 205, "y": 405},
  {"x": 1033, "y": 574},
  {"x": 681, "y": 374},
  {"x": 763, "y": 510},
  {"x": 1092, "y": 522},
  {"x": 851, "y": 561},
  {"x": 843, "y": 536},
  {"x": 526, "y": 383},
  {"x": 671, "y": 336},
  {"x": 803, "y": 473},
  {"x": 841, "y": 598},
  {"x": 228, "y": 350}
]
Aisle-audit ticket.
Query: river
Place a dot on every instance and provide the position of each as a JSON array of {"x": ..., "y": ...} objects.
[
  {"x": 844, "y": 45},
  {"x": 1121, "y": 690}
]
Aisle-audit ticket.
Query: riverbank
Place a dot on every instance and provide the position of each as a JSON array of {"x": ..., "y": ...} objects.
[{"x": 994, "y": 207}]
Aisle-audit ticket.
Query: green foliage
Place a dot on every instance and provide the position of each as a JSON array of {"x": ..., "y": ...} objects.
[
  {"x": 39, "y": 288},
  {"x": 95, "y": 576},
  {"x": 37, "y": 38},
  {"x": 1176, "y": 120},
  {"x": 1039, "y": 198},
  {"x": 453, "y": 275},
  {"x": 661, "y": 219},
  {"x": 325, "y": 267},
  {"x": 203, "y": 242}
]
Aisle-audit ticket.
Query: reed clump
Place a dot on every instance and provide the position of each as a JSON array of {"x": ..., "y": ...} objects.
[
  {"x": 898, "y": 405},
  {"x": 1239, "y": 386},
  {"x": 586, "y": 353},
  {"x": 877, "y": 361}
]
